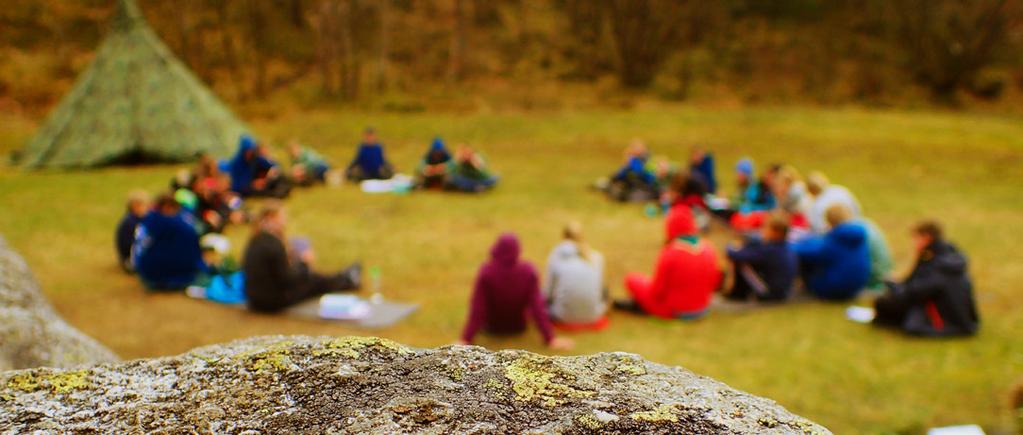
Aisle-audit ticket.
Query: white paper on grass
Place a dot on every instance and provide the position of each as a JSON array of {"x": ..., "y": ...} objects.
[
  {"x": 343, "y": 307},
  {"x": 860, "y": 314},
  {"x": 968, "y": 429}
]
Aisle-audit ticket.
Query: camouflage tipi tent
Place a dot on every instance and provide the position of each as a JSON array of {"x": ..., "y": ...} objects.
[{"x": 135, "y": 102}]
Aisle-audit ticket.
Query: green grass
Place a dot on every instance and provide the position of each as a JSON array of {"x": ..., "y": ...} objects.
[{"x": 962, "y": 169}]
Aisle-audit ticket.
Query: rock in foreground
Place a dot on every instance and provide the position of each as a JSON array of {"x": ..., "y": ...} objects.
[
  {"x": 31, "y": 332},
  {"x": 360, "y": 385}
]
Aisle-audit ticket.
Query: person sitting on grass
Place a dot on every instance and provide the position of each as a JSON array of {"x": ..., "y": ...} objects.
[
  {"x": 166, "y": 251},
  {"x": 574, "y": 285},
  {"x": 468, "y": 173},
  {"x": 369, "y": 162},
  {"x": 506, "y": 293},
  {"x": 825, "y": 195},
  {"x": 433, "y": 170},
  {"x": 764, "y": 269},
  {"x": 937, "y": 298},
  {"x": 253, "y": 173},
  {"x": 633, "y": 181},
  {"x": 836, "y": 266},
  {"x": 701, "y": 168},
  {"x": 275, "y": 278},
  {"x": 881, "y": 263},
  {"x": 307, "y": 166},
  {"x": 757, "y": 195},
  {"x": 685, "y": 277},
  {"x": 124, "y": 236}
]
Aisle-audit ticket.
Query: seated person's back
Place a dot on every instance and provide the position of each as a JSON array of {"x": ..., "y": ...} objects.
[
  {"x": 574, "y": 285},
  {"x": 166, "y": 253},
  {"x": 506, "y": 292},
  {"x": 765, "y": 269},
  {"x": 837, "y": 264}
]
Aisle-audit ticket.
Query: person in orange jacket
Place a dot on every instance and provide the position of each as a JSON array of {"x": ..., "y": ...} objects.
[{"x": 686, "y": 276}]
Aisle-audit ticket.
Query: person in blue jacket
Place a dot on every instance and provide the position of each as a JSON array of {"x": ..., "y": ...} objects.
[
  {"x": 836, "y": 266},
  {"x": 701, "y": 168},
  {"x": 369, "y": 162},
  {"x": 166, "y": 253},
  {"x": 253, "y": 173},
  {"x": 765, "y": 268},
  {"x": 755, "y": 194}
]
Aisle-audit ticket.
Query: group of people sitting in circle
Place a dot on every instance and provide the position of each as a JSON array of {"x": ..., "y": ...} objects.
[
  {"x": 174, "y": 241},
  {"x": 790, "y": 234}
]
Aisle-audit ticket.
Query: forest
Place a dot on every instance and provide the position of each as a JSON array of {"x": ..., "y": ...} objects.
[{"x": 407, "y": 55}]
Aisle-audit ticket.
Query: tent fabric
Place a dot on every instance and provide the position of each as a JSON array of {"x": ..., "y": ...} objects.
[{"x": 135, "y": 101}]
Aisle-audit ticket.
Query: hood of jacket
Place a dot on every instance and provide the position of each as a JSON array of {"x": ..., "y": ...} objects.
[
  {"x": 567, "y": 249},
  {"x": 849, "y": 234},
  {"x": 679, "y": 222},
  {"x": 506, "y": 250}
]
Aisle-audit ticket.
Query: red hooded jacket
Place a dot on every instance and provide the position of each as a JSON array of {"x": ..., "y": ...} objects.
[{"x": 687, "y": 271}]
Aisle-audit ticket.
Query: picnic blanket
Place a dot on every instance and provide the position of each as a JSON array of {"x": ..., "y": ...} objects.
[{"x": 380, "y": 314}]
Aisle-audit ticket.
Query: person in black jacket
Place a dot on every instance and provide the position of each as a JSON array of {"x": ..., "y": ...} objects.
[
  {"x": 124, "y": 236},
  {"x": 937, "y": 298},
  {"x": 276, "y": 279}
]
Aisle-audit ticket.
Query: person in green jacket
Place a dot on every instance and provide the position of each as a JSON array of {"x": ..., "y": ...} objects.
[
  {"x": 468, "y": 172},
  {"x": 307, "y": 166},
  {"x": 881, "y": 263}
]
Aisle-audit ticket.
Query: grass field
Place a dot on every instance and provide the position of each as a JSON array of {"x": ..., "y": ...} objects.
[{"x": 966, "y": 170}]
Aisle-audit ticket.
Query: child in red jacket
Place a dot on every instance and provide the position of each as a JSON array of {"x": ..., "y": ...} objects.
[{"x": 686, "y": 276}]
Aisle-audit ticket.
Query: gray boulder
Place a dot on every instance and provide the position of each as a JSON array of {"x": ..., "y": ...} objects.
[
  {"x": 31, "y": 332},
  {"x": 370, "y": 385}
]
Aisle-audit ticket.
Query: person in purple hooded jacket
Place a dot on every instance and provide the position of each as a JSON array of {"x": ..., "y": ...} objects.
[{"x": 507, "y": 291}]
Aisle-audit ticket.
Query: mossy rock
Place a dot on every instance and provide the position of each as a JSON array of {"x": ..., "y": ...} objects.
[{"x": 370, "y": 385}]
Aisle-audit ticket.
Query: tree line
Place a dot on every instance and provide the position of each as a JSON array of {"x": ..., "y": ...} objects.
[{"x": 829, "y": 50}]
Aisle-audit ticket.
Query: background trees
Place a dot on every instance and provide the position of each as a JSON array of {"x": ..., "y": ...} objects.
[{"x": 817, "y": 50}]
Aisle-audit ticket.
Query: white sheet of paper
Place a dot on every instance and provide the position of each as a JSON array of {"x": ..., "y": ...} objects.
[{"x": 860, "y": 314}]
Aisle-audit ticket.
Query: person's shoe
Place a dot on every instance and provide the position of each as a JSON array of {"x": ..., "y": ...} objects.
[
  {"x": 354, "y": 274},
  {"x": 627, "y": 305}
]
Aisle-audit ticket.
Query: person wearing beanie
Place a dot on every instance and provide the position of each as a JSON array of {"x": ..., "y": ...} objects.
[
  {"x": 685, "y": 277},
  {"x": 506, "y": 293},
  {"x": 434, "y": 167}
]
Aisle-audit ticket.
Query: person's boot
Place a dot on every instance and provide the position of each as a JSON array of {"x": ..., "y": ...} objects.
[{"x": 629, "y": 305}]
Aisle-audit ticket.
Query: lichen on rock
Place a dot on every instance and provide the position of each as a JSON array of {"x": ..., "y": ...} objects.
[{"x": 370, "y": 385}]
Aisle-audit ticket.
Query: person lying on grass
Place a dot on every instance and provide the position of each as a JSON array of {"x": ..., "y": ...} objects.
[
  {"x": 137, "y": 207},
  {"x": 574, "y": 285},
  {"x": 307, "y": 166},
  {"x": 469, "y": 173},
  {"x": 685, "y": 277},
  {"x": 166, "y": 251},
  {"x": 936, "y": 299},
  {"x": 253, "y": 173},
  {"x": 506, "y": 293},
  {"x": 369, "y": 162},
  {"x": 432, "y": 172},
  {"x": 764, "y": 268},
  {"x": 836, "y": 266},
  {"x": 275, "y": 278}
]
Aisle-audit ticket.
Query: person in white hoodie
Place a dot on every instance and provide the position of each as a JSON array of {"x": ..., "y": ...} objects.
[
  {"x": 826, "y": 195},
  {"x": 574, "y": 285}
]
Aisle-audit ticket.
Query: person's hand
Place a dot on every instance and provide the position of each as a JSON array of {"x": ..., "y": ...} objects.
[
  {"x": 259, "y": 184},
  {"x": 561, "y": 343},
  {"x": 308, "y": 257}
]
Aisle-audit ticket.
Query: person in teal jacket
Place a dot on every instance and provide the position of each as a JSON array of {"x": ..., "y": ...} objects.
[
  {"x": 881, "y": 263},
  {"x": 836, "y": 266}
]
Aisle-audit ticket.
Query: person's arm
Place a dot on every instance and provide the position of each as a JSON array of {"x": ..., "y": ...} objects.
[
  {"x": 538, "y": 310},
  {"x": 358, "y": 156},
  {"x": 549, "y": 279},
  {"x": 745, "y": 254},
  {"x": 923, "y": 289},
  {"x": 659, "y": 286},
  {"x": 477, "y": 310}
]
